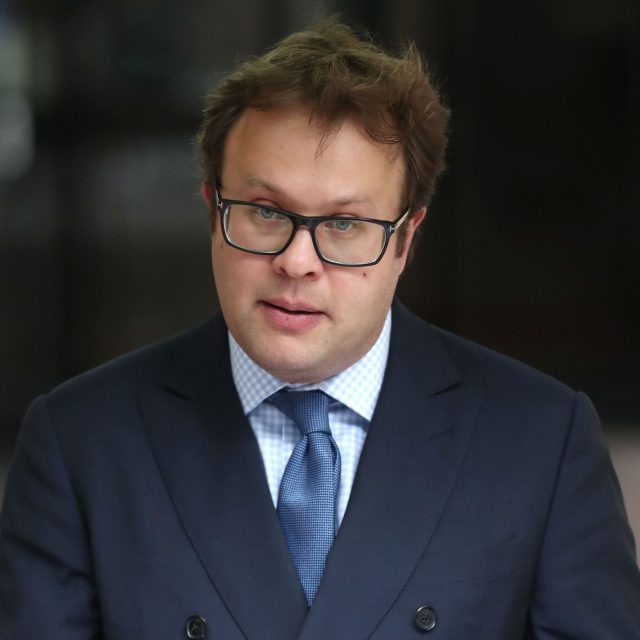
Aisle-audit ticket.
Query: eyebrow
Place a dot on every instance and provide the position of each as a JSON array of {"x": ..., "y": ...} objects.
[{"x": 346, "y": 200}]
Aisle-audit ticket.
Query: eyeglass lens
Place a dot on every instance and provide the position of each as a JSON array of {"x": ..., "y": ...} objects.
[{"x": 261, "y": 229}]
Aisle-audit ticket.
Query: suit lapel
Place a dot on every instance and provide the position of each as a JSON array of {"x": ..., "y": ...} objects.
[
  {"x": 415, "y": 446},
  {"x": 211, "y": 464}
]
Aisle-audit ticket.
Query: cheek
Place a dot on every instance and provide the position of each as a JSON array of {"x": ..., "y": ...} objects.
[
  {"x": 225, "y": 274},
  {"x": 365, "y": 290}
]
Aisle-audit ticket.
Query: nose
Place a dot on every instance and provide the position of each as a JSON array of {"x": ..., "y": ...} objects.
[{"x": 300, "y": 258}]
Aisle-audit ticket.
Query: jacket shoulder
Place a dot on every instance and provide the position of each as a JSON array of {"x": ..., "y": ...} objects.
[
  {"x": 434, "y": 349},
  {"x": 125, "y": 373}
]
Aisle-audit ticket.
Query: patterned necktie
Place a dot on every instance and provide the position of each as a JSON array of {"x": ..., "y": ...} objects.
[{"x": 307, "y": 497}]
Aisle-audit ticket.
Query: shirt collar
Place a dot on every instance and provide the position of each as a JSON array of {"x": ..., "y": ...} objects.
[{"x": 357, "y": 387}]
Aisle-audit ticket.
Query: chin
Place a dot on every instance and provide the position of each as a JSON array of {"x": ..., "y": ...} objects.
[
  {"x": 294, "y": 372},
  {"x": 285, "y": 366}
]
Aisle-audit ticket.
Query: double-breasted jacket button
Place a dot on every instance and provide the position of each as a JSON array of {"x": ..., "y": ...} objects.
[
  {"x": 196, "y": 628},
  {"x": 426, "y": 619}
]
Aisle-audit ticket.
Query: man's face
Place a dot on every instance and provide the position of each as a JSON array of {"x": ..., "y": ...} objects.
[{"x": 299, "y": 318}]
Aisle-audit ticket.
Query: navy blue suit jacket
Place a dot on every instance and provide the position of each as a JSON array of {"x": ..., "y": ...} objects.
[{"x": 137, "y": 498}]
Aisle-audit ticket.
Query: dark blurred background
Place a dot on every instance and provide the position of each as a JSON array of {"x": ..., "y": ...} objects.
[{"x": 532, "y": 245}]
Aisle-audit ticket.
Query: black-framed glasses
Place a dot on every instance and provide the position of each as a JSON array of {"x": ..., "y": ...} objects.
[{"x": 346, "y": 241}]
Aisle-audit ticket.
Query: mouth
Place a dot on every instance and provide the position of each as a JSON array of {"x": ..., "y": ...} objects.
[
  {"x": 291, "y": 317},
  {"x": 292, "y": 308}
]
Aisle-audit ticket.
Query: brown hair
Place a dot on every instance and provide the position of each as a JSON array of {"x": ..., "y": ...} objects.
[{"x": 333, "y": 74}]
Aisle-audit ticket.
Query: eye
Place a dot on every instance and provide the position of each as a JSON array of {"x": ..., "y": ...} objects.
[
  {"x": 266, "y": 213},
  {"x": 342, "y": 224}
]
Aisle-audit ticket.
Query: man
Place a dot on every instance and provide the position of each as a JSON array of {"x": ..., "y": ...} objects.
[{"x": 316, "y": 462}]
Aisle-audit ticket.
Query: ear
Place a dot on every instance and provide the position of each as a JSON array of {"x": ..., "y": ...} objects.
[
  {"x": 412, "y": 226},
  {"x": 417, "y": 219},
  {"x": 207, "y": 194}
]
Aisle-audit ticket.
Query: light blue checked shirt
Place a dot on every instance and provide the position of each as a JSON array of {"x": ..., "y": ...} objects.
[{"x": 353, "y": 392}]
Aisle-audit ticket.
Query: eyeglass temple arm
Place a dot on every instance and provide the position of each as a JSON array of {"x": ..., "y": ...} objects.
[{"x": 394, "y": 227}]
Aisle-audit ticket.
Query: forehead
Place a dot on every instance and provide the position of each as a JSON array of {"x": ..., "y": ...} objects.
[{"x": 290, "y": 150}]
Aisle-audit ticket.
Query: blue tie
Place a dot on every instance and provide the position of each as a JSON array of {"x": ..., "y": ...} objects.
[{"x": 307, "y": 498}]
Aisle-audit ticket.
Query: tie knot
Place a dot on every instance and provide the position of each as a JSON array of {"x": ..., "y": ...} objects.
[{"x": 308, "y": 409}]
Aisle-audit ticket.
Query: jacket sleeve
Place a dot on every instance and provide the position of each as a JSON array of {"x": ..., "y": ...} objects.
[
  {"x": 46, "y": 579},
  {"x": 588, "y": 583}
]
